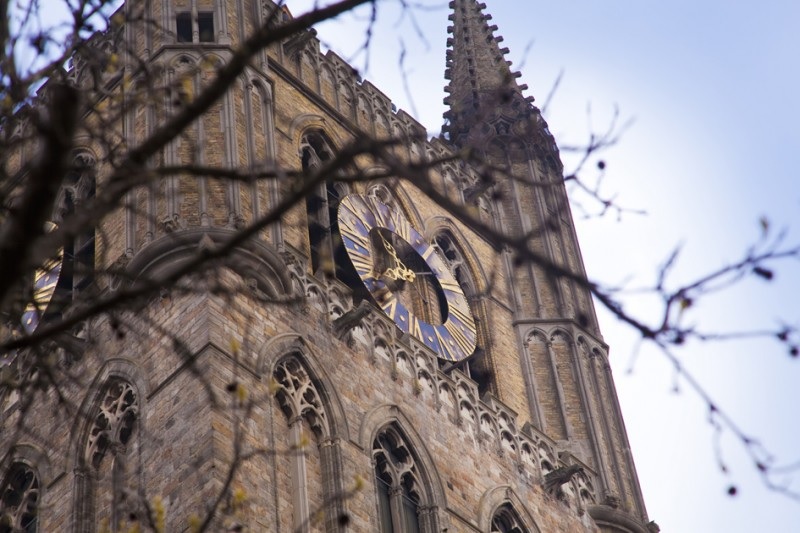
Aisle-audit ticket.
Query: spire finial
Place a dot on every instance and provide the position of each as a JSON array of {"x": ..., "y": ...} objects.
[{"x": 480, "y": 80}]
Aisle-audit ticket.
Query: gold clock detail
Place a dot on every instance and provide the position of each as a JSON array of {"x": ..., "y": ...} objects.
[{"x": 391, "y": 258}]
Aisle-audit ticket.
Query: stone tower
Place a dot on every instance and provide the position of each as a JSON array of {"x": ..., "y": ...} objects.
[{"x": 279, "y": 385}]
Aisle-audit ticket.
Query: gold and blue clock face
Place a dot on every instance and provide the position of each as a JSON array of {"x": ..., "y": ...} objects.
[
  {"x": 45, "y": 282},
  {"x": 392, "y": 259}
]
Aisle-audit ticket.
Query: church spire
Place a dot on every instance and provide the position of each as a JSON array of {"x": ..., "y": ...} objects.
[{"x": 481, "y": 84}]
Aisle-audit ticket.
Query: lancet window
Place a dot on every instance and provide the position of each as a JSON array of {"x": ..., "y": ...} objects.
[
  {"x": 399, "y": 488},
  {"x": 109, "y": 483},
  {"x": 321, "y": 207},
  {"x": 79, "y": 187},
  {"x": 71, "y": 269},
  {"x": 308, "y": 461},
  {"x": 477, "y": 368}
]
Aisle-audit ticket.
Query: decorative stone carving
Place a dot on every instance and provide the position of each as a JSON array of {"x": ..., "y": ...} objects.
[
  {"x": 114, "y": 423},
  {"x": 554, "y": 480},
  {"x": 486, "y": 420},
  {"x": 19, "y": 499},
  {"x": 352, "y": 318},
  {"x": 395, "y": 464},
  {"x": 298, "y": 395}
]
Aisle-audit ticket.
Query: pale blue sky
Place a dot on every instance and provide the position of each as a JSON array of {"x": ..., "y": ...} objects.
[{"x": 712, "y": 87}]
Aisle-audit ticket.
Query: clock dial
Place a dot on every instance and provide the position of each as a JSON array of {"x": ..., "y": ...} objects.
[
  {"x": 389, "y": 256},
  {"x": 45, "y": 282}
]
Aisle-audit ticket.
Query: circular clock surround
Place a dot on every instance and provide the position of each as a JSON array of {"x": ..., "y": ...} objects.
[{"x": 364, "y": 223}]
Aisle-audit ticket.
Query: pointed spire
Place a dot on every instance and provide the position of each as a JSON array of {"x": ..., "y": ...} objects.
[{"x": 481, "y": 84}]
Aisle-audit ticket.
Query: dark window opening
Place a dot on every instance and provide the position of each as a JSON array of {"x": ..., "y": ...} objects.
[
  {"x": 183, "y": 27},
  {"x": 327, "y": 254},
  {"x": 397, "y": 481},
  {"x": 506, "y": 520},
  {"x": 384, "y": 505},
  {"x": 205, "y": 27}
]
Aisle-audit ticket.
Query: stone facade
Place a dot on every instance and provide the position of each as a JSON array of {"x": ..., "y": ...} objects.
[{"x": 244, "y": 365}]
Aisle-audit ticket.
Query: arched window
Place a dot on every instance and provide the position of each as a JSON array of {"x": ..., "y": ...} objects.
[
  {"x": 327, "y": 254},
  {"x": 19, "y": 500},
  {"x": 79, "y": 187},
  {"x": 311, "y": 461},
  {"x": 71, "y": 270},
  {"x": 107, "y": 483},
  {"x": 400, "y": 491},
  {"x": 506, "y": 520},
  {"x": 321, "y": 205},
  {"x": 478, "y": 368}
]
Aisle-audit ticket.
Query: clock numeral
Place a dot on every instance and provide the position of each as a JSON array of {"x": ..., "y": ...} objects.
[
  {"x": 445, "y": 349},
  {"x": 464, "y": 341}
]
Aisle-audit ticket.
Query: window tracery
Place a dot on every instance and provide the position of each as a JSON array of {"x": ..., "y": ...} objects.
[
  {"x": 400, "y": 491},
  {"x": 114, "y": 423},
  {"x": 312, "y": 469},
  {"x": 298, "y": 396},
  {"x": 105, "y": 487},
  {"x": 506, "y": 520},
  {"x": 19, "y": 500}
]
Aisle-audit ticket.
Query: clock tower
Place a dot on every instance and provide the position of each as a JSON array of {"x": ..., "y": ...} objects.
[{"x": 373, "y": 357}]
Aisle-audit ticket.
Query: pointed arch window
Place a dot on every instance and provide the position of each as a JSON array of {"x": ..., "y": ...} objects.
[
  {"x": 71, "y": 270},
  {"x": 321, "y": 206},
  {"x": 19, "y": 500},
  {"x": 506, "y": 520},
  {"x": 79, "y": 187},
  {"x": 399, "y": 488},
  {"x": 105, "y": 486},
  {"x": 301, "y": 399},
  {"x": 477, "y": 368}
]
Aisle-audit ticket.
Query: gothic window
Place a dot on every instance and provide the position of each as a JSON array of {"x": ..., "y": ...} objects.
[
  {"x": 183, "y": 27},
  {"x": 455, "y": 260},
  {"x": 114, "y": 423},
  {"x": 478, "y": 368},
  {"x": 506, "y": 520},
  {"x": 298, "y": 395},
  {"x": 301, "y": 402},
  {"x": 71, "y": 270},
  {"x": 321, "y": 206},
  {"x": 19, "y": 500},
  {"x": 79, "y": 187},
  {"x": 186, "y": 27},
  {"x": 111, "y": 434},
  {"x": 399, "y": 488}
]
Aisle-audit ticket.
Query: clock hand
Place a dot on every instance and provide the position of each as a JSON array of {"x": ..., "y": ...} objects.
[{"x": 401, "y": 271}]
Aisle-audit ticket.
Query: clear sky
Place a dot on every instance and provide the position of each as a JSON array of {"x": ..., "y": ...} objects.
[{"x": 712, "y": 88}]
